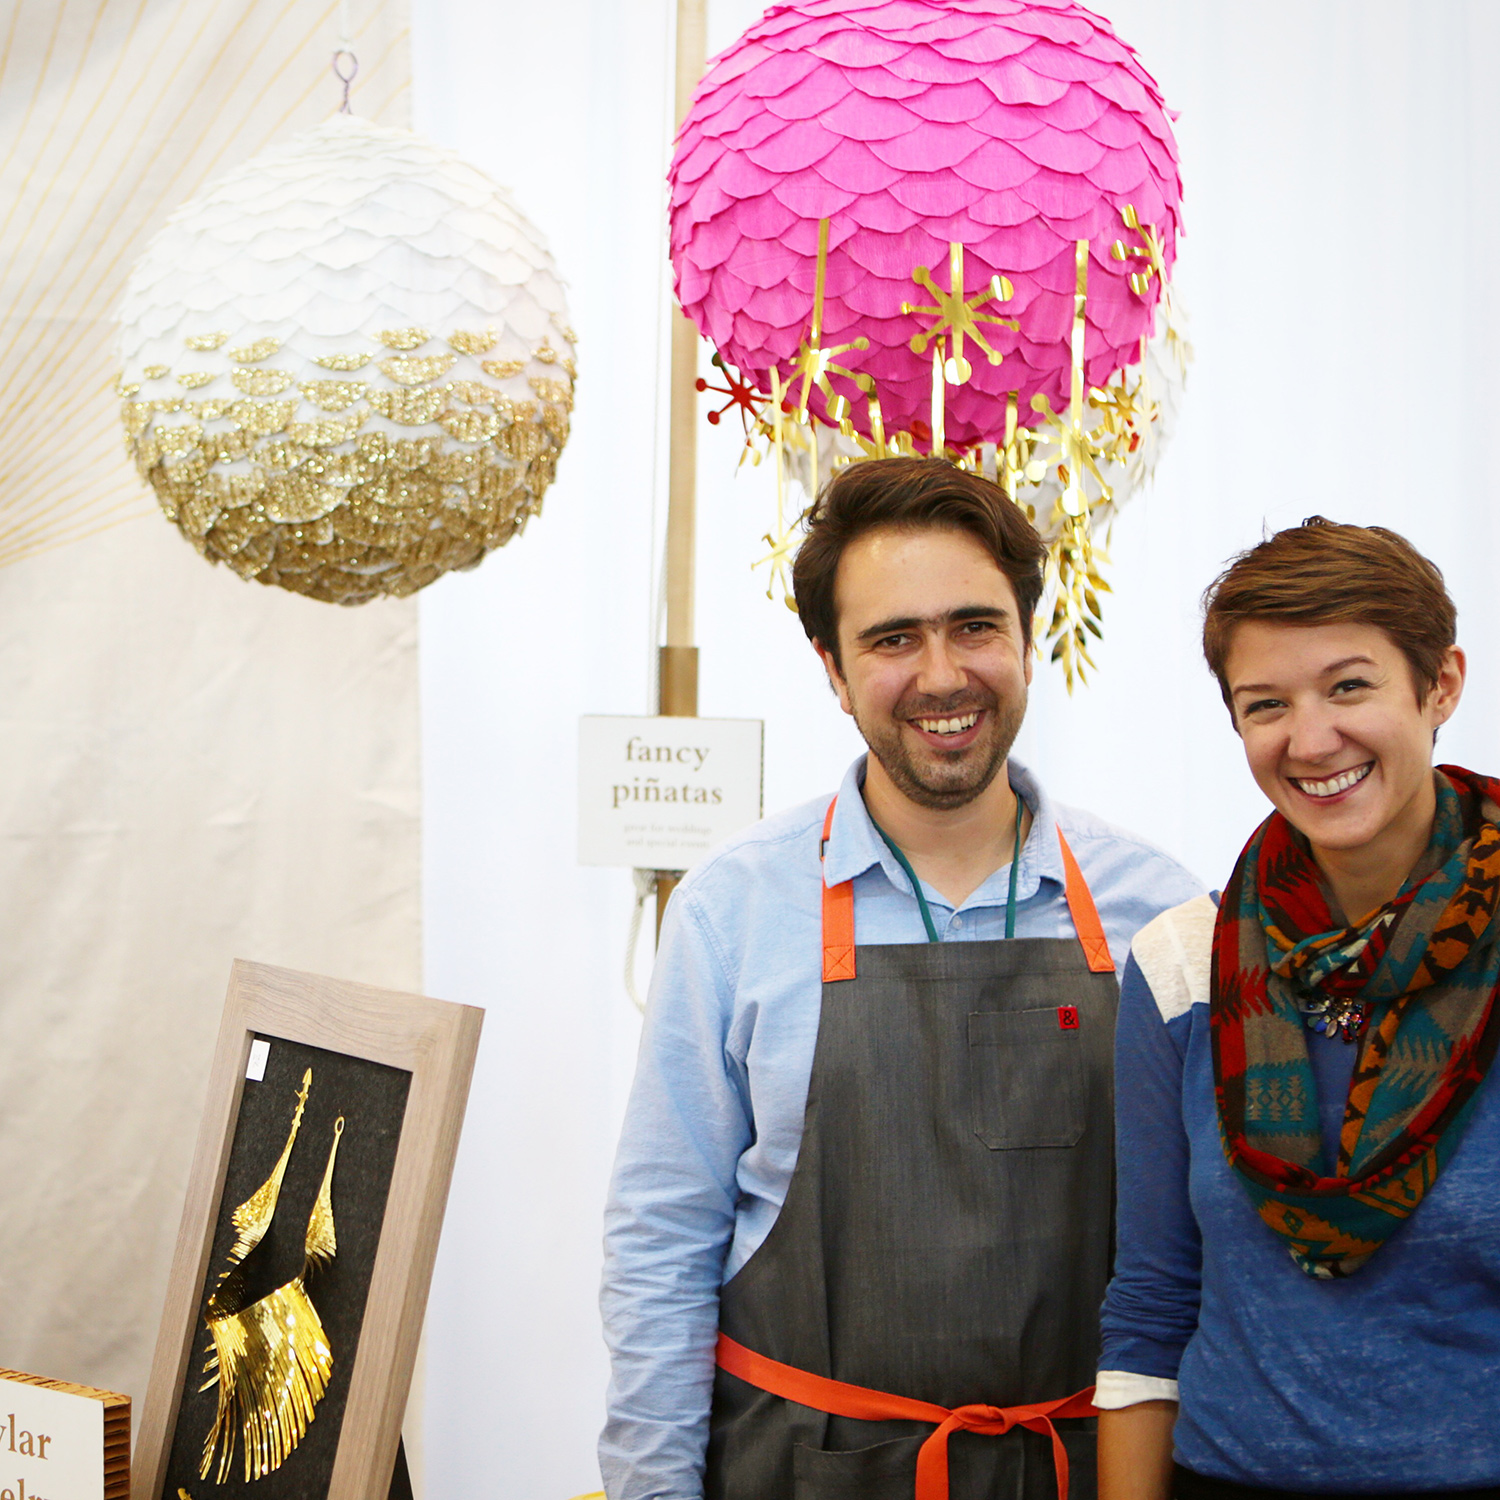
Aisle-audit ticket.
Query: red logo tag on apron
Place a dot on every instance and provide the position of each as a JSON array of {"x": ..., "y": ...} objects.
[{"x": 1067, "y": 1017}]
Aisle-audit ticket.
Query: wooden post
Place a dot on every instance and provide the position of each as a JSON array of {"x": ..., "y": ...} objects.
[{"x": 677, "y": 665}]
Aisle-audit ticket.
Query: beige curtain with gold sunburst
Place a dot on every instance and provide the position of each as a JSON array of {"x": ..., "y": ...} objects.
[{"x": 191, "y": 768}]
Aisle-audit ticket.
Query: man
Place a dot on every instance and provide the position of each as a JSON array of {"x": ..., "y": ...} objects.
[{"x": 869, "y": 1143}]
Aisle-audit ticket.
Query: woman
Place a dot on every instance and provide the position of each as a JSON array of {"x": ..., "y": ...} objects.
[{"x": 1307, "y": 1283}]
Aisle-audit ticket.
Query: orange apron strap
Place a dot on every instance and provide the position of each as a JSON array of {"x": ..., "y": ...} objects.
[
  {"x": 866, "y": 1405},
  {"x": 1085, "y": 914},
  {"x": 838, "y": 918}
]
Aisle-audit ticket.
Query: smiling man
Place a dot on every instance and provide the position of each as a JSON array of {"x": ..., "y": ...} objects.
[{"x": 866, "y": 1172}]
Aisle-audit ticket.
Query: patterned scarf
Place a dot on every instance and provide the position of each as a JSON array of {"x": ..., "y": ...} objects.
[{"x": 1425, "y": 966}]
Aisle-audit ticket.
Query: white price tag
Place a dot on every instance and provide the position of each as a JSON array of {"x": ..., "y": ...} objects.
[{"x": 659, "y": 793}]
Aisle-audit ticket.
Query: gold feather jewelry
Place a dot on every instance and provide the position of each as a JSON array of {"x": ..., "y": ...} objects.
[{"x": 270, "y": 1360}]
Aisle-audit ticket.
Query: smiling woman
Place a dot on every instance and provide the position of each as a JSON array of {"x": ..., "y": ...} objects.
[
  {"x": 1338, "y": 731},
  {"x": 1313, "y": 1058}
]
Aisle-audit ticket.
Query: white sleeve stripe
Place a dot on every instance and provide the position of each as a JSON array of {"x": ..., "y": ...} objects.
[
  {"x": 1174, "y": 951},
  {"x": 1117, "y": 1388}
]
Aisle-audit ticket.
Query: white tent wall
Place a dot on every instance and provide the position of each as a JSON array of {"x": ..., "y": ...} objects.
[{"x": 1342, "y": 215}]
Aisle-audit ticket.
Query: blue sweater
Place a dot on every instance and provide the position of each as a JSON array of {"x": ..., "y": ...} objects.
[{"x": 1383, "y": 1381}]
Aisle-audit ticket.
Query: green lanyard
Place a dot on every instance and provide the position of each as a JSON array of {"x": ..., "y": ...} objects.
[{"x": 916, "y": 885}]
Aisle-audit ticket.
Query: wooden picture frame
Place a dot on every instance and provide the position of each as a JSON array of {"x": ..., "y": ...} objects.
[{"x": 435, "y": 1043}]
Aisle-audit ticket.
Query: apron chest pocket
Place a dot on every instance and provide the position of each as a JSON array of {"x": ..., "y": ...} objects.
[{"x": 1025, "y": 1079}]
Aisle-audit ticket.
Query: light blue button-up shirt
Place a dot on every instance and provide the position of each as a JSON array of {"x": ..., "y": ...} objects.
[{"x": 714, "y": 1121}]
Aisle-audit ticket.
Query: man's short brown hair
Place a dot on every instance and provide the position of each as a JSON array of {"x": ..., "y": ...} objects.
[
  {"x": 1323, "y": 573},
  {"x": 909, "y": 494}
]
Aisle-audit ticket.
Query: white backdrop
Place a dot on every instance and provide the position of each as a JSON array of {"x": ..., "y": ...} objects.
[{"x": 1343, "y": 217}]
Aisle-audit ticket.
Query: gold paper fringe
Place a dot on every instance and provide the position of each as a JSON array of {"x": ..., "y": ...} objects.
[{"x": 301, "y": 492}]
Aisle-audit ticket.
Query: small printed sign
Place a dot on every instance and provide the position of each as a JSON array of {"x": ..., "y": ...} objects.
[
  {"x": 659, "y": 793},
  {"x": 52, "y": 1442}
]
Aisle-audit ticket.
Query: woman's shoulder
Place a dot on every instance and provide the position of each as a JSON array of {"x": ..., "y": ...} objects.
[{"x": 1173, "y": 952}]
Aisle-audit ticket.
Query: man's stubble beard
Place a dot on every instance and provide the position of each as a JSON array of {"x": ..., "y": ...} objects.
[{"x": 946, "y": 784}]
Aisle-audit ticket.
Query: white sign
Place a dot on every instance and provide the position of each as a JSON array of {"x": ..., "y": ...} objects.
[
  {"x": 51, "y": 1444},
  {"x": 658, "y": 794}
]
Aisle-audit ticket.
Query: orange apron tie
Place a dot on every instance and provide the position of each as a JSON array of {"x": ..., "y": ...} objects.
[
  {"x": 857, "y": 1401},
  {"x": 838, "y": 915}
]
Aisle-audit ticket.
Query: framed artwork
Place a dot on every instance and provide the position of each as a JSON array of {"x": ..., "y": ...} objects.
[{"x": 298, "y": 1287}]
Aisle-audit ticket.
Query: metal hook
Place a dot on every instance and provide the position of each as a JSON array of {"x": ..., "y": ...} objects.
[{"x": 345, "y": 78}]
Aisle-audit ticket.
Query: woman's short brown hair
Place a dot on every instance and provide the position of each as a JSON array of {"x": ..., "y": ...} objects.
[
  {"x": 1322, "y": 573},
  {"x": 909, "y": 493}
]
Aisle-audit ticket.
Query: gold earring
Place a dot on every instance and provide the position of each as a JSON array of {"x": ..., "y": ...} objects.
[{"x": 271, "y": 1359}]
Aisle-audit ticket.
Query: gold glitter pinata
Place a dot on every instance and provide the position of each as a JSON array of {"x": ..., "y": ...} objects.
[{"x": 347, "y": 366}]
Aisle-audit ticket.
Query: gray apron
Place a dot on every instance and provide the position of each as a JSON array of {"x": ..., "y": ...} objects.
[{"x": 947, "y": 1232}]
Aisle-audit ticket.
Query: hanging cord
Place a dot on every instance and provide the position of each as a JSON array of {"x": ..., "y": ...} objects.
[
  {"x": 345, "y": 78},
  {"x": 645, "y": 888},
  {"x": 345, "y": 63}
]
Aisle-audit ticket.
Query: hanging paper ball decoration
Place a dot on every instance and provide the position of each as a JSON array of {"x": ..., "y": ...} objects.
[
  {"x": 941, "y": 226},
  {"x": 1013, "y": 128},
  {"x": 347, "y": 366}
]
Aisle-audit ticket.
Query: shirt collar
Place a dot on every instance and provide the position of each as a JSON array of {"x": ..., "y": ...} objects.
[{"x": 855, "y": 846}]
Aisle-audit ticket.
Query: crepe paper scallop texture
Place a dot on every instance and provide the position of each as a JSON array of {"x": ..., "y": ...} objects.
[
  {"x": 347, "y": 366},
  {"x": 947, "y": 227},
  {"x": 1013, "y": 128}
]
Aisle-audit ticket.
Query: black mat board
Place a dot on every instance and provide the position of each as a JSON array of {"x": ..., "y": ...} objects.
[
  {"x": 401, "y": 1476},
  {"x": 372, "y": 1099}
]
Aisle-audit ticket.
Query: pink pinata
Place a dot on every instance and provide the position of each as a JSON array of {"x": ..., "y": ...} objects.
[{"x": 1014, "y": 128}]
